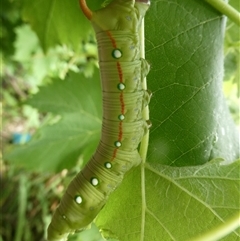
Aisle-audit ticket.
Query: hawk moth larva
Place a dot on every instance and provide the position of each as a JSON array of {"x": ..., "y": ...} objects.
[{"x": 117, "y": 28}]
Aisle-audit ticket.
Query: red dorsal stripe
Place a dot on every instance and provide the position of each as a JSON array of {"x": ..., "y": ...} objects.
[{"x": 121, "y": 97}]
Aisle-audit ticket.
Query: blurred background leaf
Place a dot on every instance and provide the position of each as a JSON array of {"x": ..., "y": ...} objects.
[{"x": 76, "y": 132}]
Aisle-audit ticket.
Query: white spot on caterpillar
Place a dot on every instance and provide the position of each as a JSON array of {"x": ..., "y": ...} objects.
[
  {"x": 116, "y": 53},
  {"x": 64, "y": 217},
  {"x": 78, "y": 199},
  {"x": 108, "y": 165},
  {"x": 94, "y": 181},
  {"x": 121, "y": 86},
  {"x": 117, "y": 143},
  {"x": 223, "y": 131},
  {"x": 121, "y": 117}
]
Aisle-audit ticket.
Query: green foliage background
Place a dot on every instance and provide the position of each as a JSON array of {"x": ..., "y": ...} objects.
[{"x": 183, "y": 182}]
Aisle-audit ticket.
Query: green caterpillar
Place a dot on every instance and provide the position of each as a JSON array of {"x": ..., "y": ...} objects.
[{"x": 123, "y": 127}]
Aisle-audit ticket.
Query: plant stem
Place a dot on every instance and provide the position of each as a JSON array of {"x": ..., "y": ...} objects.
[
  {"x": 22, "y": 206},
  {"x": 220, "y": 231},
  {"x": 226, "y": 9},
  {"x": 144, "y": 142}
]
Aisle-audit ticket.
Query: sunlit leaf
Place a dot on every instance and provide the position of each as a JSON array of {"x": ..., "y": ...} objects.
[{"x": 173, "y": 203}]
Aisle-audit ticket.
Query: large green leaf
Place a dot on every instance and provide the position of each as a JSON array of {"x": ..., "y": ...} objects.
[
  {"x": 76, "y": 134},
  {"x": 56, "y": 21},
  {"x": 173, "y": 203},
  {"x": 191, "y": 122}
]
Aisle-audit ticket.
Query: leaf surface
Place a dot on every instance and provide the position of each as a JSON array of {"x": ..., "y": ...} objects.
[
  {"x": 56, "y": 21},
  {"x": 190, "y": 119},
  {"x": 57, "y": 146},
  {"x": 173, "y": 203}
]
